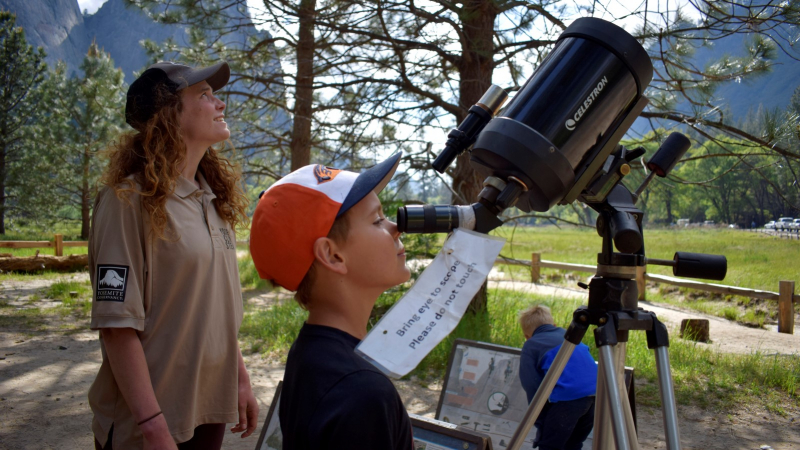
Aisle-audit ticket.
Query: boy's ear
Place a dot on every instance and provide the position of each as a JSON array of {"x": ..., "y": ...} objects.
[{"x": 327, "y": 254}]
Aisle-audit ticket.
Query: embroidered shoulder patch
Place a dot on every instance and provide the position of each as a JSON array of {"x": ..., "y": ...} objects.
[{"x": 112, "y": 281}]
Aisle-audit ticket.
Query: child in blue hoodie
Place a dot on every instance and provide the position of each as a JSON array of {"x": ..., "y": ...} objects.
[{"x": 567, "y": 418}]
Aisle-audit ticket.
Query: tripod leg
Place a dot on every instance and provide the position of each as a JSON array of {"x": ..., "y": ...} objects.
[
  {"x": 572, "y": 338},
  {"x": 658, "y": 339},
  {"x": 610, "y": 400},
  {"x": 603, "y": 437},
  {"x": 621, "y": 353},
  {"x": 613, "y": 398}
]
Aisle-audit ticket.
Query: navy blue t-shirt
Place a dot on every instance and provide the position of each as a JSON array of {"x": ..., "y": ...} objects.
[{"x": 334, "y": 399}]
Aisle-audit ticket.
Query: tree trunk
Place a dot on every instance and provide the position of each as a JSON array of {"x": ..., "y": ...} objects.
[
  {"x": 300, "y": 145},
  {"x": 475, "y": 69},
  {"x": 39, "y": 263},
  {"x": 695, "y": 330},
  {"x": 86, "y": 196},
  {"x": 3, "y": 189},
  {"x": 668, "y": 206}
]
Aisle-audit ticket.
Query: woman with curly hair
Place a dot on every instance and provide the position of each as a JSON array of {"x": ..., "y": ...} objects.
[{"x": 162, "y": 258}]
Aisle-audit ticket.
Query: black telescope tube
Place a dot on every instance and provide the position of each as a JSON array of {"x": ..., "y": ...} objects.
[
  {"x": 565, "y": 120},
  {"x": 427, "y": 218},
  {"x": 700, "y": 265}
]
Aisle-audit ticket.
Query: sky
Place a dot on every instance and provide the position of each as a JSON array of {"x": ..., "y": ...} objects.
[
  {"x": 91, "y": 6},
  {"x": 617, "y": 8},
  {"x": 608, "y": 9}
]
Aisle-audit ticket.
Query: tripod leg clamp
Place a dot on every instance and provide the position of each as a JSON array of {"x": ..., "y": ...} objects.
[
  {"x": 576, "y": 331},
  {"x": 657, "y": 336},
  {"x": 606, "y": 334}
]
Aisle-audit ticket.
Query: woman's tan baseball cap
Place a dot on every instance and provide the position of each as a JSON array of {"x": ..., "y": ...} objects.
[{"x": 143, "y": 100}]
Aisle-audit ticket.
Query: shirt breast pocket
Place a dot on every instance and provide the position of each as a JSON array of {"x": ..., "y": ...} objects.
[
  {"x": 221, "y": 237},
  {"x": 218, "y": 242}
]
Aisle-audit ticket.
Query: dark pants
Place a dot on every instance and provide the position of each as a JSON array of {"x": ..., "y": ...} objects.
[
  {"x": 564, "y": 425},
  {"x": 206, "y": 437}
]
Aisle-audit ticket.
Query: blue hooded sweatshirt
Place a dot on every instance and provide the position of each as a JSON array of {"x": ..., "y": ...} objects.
[{"x": 579, "y": 377}]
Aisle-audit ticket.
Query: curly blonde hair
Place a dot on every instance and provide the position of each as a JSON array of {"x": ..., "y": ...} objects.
[{"x": 153, "y": 156}]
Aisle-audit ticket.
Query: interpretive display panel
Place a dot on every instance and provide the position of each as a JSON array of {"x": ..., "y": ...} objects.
[
  {"x": 430, "y": 434},
  {"x": 271, "y": 437},
  {"x": 482, "y": 391}
]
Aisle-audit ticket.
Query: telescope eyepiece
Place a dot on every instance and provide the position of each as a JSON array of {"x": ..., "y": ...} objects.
[{"x": 434, "y": 218}]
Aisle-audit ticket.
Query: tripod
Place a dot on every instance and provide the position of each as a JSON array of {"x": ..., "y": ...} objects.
[{"x": 613, "y": 308}]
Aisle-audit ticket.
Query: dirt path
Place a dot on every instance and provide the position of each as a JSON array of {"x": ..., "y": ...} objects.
[
  {"x": 45, "y": 374},
  {"x": 726, "y": 336}
]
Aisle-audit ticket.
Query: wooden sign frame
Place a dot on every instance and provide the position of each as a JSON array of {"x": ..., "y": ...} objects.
[
  {"x": 430, "y": 434},
  {"x": 514, "y": 404}
]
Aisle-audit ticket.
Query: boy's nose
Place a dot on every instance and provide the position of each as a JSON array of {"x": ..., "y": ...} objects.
[{"x": 394, "y": 230}]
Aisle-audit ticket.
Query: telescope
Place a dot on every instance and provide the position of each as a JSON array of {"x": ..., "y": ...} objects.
[
  {"x": 557, "y": 135},
  {"x": 558, "y": 141}
]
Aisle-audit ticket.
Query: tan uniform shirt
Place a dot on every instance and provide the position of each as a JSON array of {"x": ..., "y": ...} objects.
[{"x": 181, "y": 295}]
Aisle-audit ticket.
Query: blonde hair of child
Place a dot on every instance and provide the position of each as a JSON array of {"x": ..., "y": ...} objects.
[{"x": 534, "y": 317}]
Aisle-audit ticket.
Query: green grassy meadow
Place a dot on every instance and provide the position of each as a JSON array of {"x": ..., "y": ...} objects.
[
  {"x": 701, "y": 376},
  {"x": 755, "y": 261}
]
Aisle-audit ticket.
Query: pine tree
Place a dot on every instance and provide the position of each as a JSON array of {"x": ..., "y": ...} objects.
[
  {"x": 22, "y": 69},
  {"x": 84, "y": 114}
]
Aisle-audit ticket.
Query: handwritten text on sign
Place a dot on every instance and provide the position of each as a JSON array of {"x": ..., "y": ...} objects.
[{"x": 433, "y": 306}]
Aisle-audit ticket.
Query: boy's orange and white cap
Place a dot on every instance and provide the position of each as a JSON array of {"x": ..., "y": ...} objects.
[{"x": 299, "y": 209}]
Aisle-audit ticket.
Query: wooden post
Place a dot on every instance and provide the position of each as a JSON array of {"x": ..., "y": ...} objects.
[
  {"x": 535, "y": 259},
  {"x": 695, "y": 329},
  {"x": 785, "y": 307},
  {"x": 641, "y": 284},
  {"x": 58, "y": 243}
]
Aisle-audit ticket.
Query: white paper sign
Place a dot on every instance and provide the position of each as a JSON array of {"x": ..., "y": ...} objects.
[{"x": 433, "y": 306}]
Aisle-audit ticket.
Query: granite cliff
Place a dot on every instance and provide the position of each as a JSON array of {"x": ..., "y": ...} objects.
[{"x": 65, "y": 33}]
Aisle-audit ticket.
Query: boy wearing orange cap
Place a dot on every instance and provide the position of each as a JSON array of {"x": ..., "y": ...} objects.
[{"x": 322, "y": 232}]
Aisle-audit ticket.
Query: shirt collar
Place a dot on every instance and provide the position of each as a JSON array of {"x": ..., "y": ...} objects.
[{"x": 185, "y": 187}]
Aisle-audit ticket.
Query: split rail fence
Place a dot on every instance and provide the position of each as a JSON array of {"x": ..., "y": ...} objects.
[
  {"x": 58, "y": 243},
  {"x": 785, "y": 296}
]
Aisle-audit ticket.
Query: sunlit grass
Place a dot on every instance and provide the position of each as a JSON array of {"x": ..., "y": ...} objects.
[
  {"x": 75, "y": 296},
  {"x": 755, "y": 261},
  {"x": 248, "y": 275},
  {"x": 701, "y": 376}
]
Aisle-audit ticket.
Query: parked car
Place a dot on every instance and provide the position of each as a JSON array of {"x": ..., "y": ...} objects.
[
  {"x": 783, "y": 223},
  {"x": 795, "y": 225},
  {"x": 770, "y": 225}
]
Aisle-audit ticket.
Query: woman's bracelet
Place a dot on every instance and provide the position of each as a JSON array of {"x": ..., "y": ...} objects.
[{"x": 150, "y": 418}]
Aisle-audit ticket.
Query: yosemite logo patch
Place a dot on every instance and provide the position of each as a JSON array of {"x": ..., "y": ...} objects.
[{"x": 111, "y": 283}]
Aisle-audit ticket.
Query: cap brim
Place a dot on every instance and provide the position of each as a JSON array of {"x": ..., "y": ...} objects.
[
  {"x": 373, "y": 179},
  {"x": 217, "y": 76}
]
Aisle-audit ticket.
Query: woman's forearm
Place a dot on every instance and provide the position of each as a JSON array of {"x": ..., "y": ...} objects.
[{"x": 129, "y": 366}]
